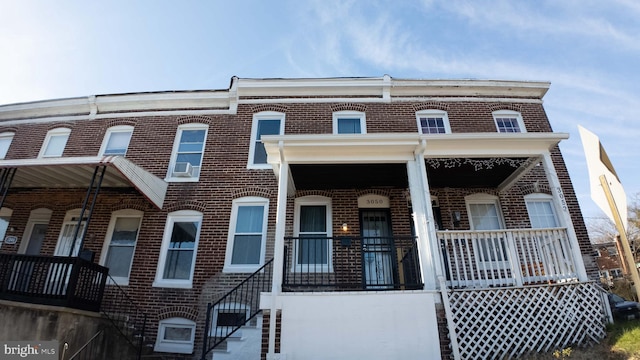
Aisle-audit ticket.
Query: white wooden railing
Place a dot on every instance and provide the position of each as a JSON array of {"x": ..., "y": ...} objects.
[{"x": 517, "y": 257}]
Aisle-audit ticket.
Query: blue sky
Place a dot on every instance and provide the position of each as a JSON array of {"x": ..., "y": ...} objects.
[{"x": 589, "y": 51}]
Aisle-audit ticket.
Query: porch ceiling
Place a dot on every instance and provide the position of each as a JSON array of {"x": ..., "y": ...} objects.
[
  {"x": 472, "y": 173},
  {"x": 76, "y": 172},
  {"x": 349, "y": 176}
]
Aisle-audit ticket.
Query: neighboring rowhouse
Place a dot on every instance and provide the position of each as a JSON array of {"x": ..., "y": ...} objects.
[{"x": 336, "y": 218}]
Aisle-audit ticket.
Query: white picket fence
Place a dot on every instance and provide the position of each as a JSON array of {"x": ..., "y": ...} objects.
[{"x": 486, "y": 259}]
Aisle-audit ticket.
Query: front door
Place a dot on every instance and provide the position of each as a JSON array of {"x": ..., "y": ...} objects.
[
  {"x": 377, "y": 248},
  {"x": 36, "y": 238}
]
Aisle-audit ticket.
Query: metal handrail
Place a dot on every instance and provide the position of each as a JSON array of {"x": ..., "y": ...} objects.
[{"x": 77, "y": 353}]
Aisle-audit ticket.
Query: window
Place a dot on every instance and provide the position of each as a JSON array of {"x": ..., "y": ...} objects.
[
  {"x": 540, "y": 209},
  {"x": 5, "y": 215},
  {"x": 433, "y": 122},
  {"x": 227, "y": 316},
  {"x": 484, "y": 214},
  {"x": 247, "y": 234},
  {"x": 116, "y": 140},
  {"x": 349, "y": 122},
  {"x": 5, "y": 142},
  {"x": 54, "y": 142},
  {"x": 120, "y": 244},
  {"x": 188, "y": 150},
  {"x": 178, "y": 251},
  {"x": 508, "y": 121},
  {"x": 313, "y": 230},
  {"x": 66, "y": 239},
  {"x": 175, "y": 335},
  {"x": 264, "y": 123}
]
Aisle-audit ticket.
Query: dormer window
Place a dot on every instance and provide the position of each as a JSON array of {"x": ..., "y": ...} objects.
[
  {"x": 349, "y": 122},
  {"x": 433, "y": 122},
  {"x": 508, "y": 121}
]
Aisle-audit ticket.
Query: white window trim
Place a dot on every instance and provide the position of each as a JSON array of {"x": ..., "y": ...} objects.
[
  {"x": 180, "y": 347},
  {"x": 8, "y": 135},
  {"x": 541, "y": 197},
  {"x": 510, "y": 114},
  {"x": 70, "y": 218},
  {"x": 177, "y": 216},
  {"x": 5, "y": 212},
  {"x": 245, "y": 201},
  {"x": 488, "y": 199},
  {"x": 433, "y": 113},
  {"x": 264, "y": 115},
  {"x": 51, "y": 133},
  {"x": 310, "y": 201},
  {"x": 125, "y": 213},
  {"x": 174, "y": 152},
  {"x": 350, "y": 114},
  {"x": 112, "y": 130}
]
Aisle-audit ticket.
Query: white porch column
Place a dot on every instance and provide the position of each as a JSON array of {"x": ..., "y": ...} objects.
[
  {"x": 563, "y": 214},
  {"x": 428, "y": 247},
  {"x": 278, "y": 252}
]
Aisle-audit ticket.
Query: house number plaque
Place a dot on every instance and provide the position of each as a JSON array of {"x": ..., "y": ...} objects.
[{"x": 373, "y": 201}]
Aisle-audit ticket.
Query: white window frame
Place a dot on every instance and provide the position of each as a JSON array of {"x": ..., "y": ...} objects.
[
  {"x": 508, "y": 114},
  {"x": 541, "y": 198},
  {"x": 174, "y": 346},
  {"x": 312, "y": 200},
  {"x": 484, "y": 199},
  {"x": 435, "y": 114},
  {"x": 5, "y": 213},
  {"x": 5, "y": 138},
  {"x": 174, "y": 152},
  {"x": 257, "y": 117},
  {"x": 237, "y": 203},
  {"x": 177, "y": 216},
  {"x": 57, "y": 132},
  {"x": 125, "y": 213},
  {"x": 113, "y": 130},
  {"x": 348, "y": 114},
  {"x": 70, "y": 219}
]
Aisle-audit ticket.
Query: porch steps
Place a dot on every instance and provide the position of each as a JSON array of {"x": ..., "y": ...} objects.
[{"x": 247, "y": 346}]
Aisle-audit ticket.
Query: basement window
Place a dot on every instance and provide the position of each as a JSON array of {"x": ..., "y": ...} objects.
[{"x": 175, "y": 335}]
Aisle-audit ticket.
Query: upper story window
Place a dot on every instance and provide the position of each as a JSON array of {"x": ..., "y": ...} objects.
[
  {"x": 349, "y": 122},
  {"x": 55, "y": 142},
  {"x": 116, "y": 140},
  {"x": 540, "y": 209},
  {"x": 188, "y": 149},
  {"x": 5, "y": 142},
  {"x": 178, "y": 251},
  {"x": 264, "y": 123},
  {"x": 433, "y": 122},
  {"x": 247, "y": 234},
  {"x": 508, "y": 121}
]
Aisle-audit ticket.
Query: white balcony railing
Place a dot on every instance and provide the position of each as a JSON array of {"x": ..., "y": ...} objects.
[{"x": 483, "y": 259}]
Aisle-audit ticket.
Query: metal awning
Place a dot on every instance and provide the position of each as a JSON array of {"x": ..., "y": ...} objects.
[{"x": 77, "y": 172}]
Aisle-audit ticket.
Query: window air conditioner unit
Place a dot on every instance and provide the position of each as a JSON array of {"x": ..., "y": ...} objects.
[{"x": 183, "y": 169}]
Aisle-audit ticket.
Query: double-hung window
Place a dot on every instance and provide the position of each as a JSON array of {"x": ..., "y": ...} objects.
[
  {"x": 178, "y": 251},
  {"x": 540, "y": 209},
  {"x": 175, "y": 335},
  {"x": 349, "y": 122},
  {"x": 116, "y": 140},
  {"x": 508, "y": 121},
  {"x": 188, "y": 150},
  {"x": 484, "y": 216},
  {"x": 264, "y": 123},
  {"x": 247, "y": 234},
  {"x": 120, "y": 244},
  {"x": 433, "y": 122},
  {"x": 313, "y": 230},
  {"x": 55, "y": 142},
  {"x": 5, "y": 142}
]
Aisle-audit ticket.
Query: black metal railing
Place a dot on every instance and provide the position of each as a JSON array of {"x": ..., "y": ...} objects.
[
  {"x": 351, "y": 263},
  {"x": 125, "y": 315},
  {"x": 91, "y": 350},
  {"x": 236, "y": 308},
  {"x": 52, "y": 280}
]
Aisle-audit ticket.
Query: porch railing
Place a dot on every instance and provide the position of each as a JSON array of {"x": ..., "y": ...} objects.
[
  {"x": 51, "y": 280},
  {"x": 351, "y": 264},
  {"x": 506, "y": 257}
]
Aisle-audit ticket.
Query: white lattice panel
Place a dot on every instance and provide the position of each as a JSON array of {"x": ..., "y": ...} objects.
[{"x": 510, "y": 322}]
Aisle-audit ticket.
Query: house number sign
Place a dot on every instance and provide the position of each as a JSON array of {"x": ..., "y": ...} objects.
[{"x": 373, "y": 201}]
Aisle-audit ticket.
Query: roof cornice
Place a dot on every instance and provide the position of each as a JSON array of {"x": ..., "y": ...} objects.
[{"x": 204, "y": 102}]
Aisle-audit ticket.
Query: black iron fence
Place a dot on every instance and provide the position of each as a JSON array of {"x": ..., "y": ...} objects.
[
  {"x": 52, "y": 280},
  {"x": 236, "y": 308},
  {"x": 351, "y": 263}
]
